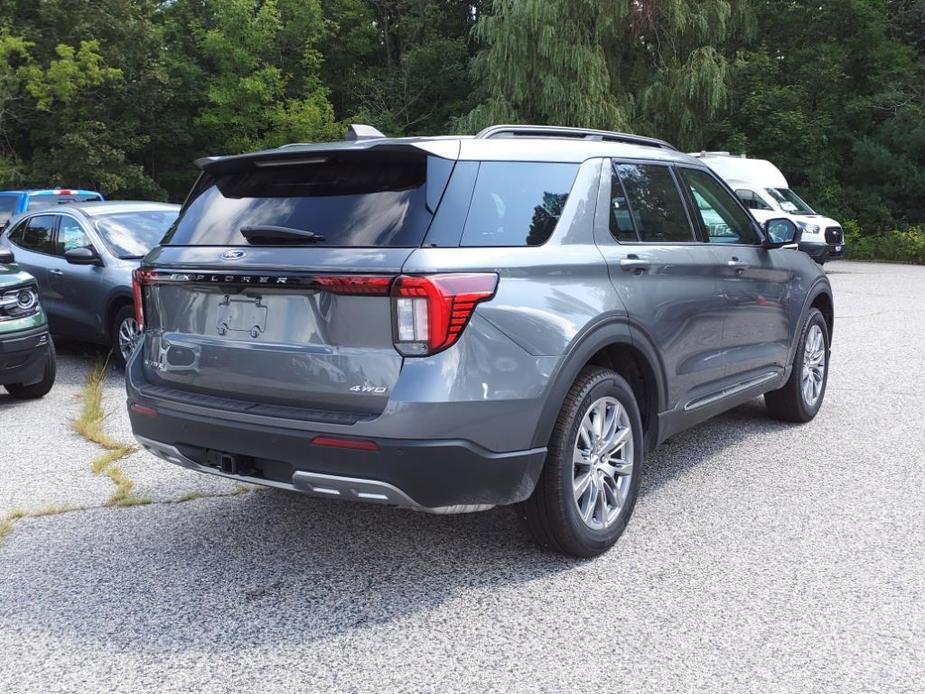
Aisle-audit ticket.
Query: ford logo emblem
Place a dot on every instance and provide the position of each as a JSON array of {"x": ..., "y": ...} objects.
[{"x": 233, "y": 255}]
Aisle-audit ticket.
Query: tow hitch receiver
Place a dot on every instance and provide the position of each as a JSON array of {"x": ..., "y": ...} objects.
[{"x": 229, "y": 463}]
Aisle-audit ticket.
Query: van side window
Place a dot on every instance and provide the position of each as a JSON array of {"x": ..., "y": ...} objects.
[
  {"x": 722, "y": 217},
  {"x": 752, "y": 200},
  {"x": 655, "y": 203}
]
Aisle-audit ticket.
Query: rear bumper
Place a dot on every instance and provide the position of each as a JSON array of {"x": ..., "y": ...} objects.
[
  {"x": 431, "y": 475},
  {"x": 23, "y": 356}
]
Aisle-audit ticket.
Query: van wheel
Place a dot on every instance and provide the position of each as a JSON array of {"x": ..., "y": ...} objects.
[
  {"x": 125, "y": 334},
  {"x": 40, "y": 389},
  {"x": 801, "y": 397},
  {"x": 589, "y": 484}
]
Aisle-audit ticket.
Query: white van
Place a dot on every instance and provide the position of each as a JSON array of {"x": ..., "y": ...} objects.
[{"x": 763, "y": 189}]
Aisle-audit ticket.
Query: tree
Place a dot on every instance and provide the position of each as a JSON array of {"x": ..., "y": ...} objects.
[{"x": 628, "y": 64}]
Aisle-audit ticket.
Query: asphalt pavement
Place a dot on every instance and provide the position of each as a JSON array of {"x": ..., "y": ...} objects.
[{"x": 761, "y": 557}]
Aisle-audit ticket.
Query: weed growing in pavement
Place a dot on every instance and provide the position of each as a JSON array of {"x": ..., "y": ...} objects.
[{"x": 89, "y": 424}]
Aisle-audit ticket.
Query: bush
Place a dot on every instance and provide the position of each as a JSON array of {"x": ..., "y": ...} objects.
[{"x": 899, "y": 245}]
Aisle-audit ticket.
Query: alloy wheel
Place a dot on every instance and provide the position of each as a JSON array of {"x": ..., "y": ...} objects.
[
  {"x": 129, "y": 334},
  {"x": 602, "y": 463},
  {"x": 813, "y": 365}
]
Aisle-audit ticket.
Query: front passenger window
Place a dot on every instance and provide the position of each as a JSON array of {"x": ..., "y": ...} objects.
[
  {"x": 722, "y": 217},
  {"x": 71, "y": 235}
]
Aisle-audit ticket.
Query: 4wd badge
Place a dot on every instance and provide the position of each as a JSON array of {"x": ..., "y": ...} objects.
[{"x": 378, "y": 390}]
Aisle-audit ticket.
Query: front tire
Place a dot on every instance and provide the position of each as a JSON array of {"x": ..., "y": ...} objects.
[
  {"x": 125, "y": 335},
  {"x": 40, "y": 389},
  {"x": 801, "y": 397},
  {"x": 590, "y": 482}
]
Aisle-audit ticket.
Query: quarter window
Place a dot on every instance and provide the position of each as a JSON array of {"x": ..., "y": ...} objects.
[
  {"x": 37, "y": 233},
  {"x": 722, "y": 217},
  {"x": 517, "y": 204},
  {"x": 655, "y": 204}
]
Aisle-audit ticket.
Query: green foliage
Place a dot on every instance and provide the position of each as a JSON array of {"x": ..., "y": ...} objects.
[
  {"x": 122, "y": 95},
  {"x": 901, "y": 246},
  {"x": 644, "y": 65}
]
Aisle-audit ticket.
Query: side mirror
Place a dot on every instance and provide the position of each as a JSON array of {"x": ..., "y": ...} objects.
[
  {"x": 780, "y": 232},
  {"x": 82, "y": 256},
  {"x": 6, "y": 256}
]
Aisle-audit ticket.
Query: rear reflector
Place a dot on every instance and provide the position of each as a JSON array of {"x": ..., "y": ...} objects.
[
  {"x": 354, "y": 444},
  {"x": 142, "y": 410}
]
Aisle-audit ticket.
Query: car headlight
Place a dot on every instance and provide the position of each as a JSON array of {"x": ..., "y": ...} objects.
[
  {"x": 18, "y": 303},
  {"x": 809, "y": 228}
]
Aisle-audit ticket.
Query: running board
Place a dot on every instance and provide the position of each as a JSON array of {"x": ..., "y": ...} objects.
[{"x": 731, "y": 391}]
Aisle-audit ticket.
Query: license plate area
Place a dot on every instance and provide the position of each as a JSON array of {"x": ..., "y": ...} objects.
[{"x": 242, "y": 314}]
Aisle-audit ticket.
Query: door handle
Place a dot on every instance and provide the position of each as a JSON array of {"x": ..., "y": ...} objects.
[
  {"x": 738, "y": 265},
  {"x": 56, "y": 273},
  {"x": 633, "y": 263}
]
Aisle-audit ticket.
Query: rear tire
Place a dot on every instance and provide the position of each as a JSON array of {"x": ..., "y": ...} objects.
[
  {"x": 801, "y": 397},
  {"x": 559, "y": 515},
  {"x": 40, "y": 389}
]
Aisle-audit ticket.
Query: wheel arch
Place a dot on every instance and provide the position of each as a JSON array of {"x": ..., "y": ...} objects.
[
  {"x": 623, "y": 348},
  {"x": 115, "y": 304}
]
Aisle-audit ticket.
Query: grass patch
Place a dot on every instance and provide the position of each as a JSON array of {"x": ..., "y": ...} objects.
[
  {"x": 10, "y": 519},
  {"x": 89, "y": 424}
]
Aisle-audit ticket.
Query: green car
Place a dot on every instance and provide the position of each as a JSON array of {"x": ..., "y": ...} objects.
[{"x": 27, "y": 354}]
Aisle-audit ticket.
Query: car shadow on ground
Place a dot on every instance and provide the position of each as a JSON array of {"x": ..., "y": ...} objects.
[{"x": 280, "y": 567}]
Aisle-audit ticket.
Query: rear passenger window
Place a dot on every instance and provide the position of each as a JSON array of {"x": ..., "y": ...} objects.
[
  {"x": 621, "y": 221},
  {"x": 36, "y": 235},
  {"x": 654, "y": 203},
  {"x": 517, "y": 203}
]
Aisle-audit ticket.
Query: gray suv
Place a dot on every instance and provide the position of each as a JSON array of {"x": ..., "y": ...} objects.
[{"x": 450, "y": 324}]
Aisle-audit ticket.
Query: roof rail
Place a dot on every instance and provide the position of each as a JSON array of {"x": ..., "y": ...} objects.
[{"x": 499, "y": 131}]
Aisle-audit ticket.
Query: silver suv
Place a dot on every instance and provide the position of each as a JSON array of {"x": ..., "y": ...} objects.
[{"x": 451, "y": 324}]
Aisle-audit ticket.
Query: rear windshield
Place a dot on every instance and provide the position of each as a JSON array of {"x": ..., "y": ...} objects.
[
  {"x": 348, "y": 200},
  {"x": 7, "y": 205},
  {"x": 42, "y": 200}
]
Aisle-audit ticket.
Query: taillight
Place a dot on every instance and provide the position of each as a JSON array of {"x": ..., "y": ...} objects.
[
  {"x": 139, "y": 279},
  {"x": 431, "y": 311}
]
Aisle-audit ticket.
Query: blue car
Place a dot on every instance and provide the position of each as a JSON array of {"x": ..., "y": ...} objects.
[{"x": 14, "y": 202}]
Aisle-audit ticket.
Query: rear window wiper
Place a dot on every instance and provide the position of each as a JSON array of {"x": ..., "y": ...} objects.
[{"x": 266, "y": 233}]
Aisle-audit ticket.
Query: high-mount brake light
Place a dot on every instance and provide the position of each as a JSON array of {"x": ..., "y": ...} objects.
[
  {"x": 431, "y": 311},
  {"x": 140, "y": 278}
]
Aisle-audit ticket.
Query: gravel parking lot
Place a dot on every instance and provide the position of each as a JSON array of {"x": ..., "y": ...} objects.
[{"x": 761, "y": 557}]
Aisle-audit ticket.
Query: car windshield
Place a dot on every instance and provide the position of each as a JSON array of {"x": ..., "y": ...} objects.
[
  {"x": 789, "y": 201},
  {"x": 133, "y": 234}
]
